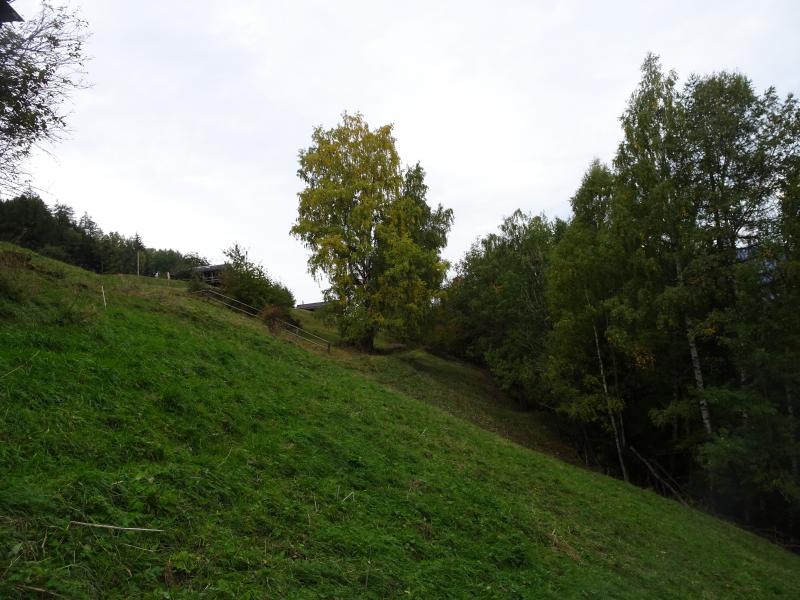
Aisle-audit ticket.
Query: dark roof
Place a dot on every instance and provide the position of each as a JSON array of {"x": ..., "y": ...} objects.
[
  {"x": 8, "y": 14},
  {"x": 312, "y": 305},
  {"x": 209, "y": 268}
]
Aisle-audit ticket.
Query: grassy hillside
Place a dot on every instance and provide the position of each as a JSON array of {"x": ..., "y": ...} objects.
[
  {"x": 456, "y": 387},
  {"x": 273, "y": 472}
]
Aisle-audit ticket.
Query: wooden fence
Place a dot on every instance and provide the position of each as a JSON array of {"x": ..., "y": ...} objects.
[{"x": 251, "y": 311}]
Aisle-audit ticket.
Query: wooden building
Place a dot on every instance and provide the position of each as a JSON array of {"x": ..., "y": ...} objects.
[
  {"x": 312, "y": 306},
  {"x": 210, "y": 274}
]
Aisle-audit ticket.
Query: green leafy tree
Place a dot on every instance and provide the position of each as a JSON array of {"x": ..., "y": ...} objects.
[
  {"x": 658, "y": 219},
  {"x": 703, "y": 173},
  {"x": 26, "y": 220},
  {"x": 670, "y": 319},
  {"x": 584, "y": 277},
  {"x": 749, "y": 185},
  {"x": 41, "y": 63},
  {"x": 249, "y": 282},
  {"x": 370, "y": 230},
  {"x": 495, "y": 310},
  {"x": 410, "y": 270}
]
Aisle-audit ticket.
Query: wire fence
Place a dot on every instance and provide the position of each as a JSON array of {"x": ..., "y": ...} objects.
[{"x": 251, "y": 311}]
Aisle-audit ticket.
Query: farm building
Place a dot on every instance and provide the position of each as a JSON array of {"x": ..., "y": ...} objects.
[
  {"x": 210, "y": 274},
  {"x": 312, "y": 306}
]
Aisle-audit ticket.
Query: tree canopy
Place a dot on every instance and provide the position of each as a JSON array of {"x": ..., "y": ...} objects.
[
  {"x": 55, "y": 232},
  {"x": 249, "y": 282},
  {"x": 661, "y": 321},
  {"x": 370, "y": 230}
]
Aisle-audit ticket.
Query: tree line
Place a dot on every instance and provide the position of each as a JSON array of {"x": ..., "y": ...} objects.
[
  {"x": 27, "y": 221},
  {"x": 55, "y": 232},
  {"x": 661, "y": 320}
]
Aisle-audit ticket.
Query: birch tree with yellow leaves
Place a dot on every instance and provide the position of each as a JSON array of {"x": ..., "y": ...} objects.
[{"x": 370, "y": 230}]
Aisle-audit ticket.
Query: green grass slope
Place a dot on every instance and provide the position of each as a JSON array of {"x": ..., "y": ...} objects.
[
  {"x": 276, "y": 473},
  {"x": 461, "y": 389}
]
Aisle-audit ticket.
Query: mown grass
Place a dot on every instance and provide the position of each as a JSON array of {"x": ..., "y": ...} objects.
[
  {"x": 462, "y": 390},
  {"x": 274, "y": 472}
]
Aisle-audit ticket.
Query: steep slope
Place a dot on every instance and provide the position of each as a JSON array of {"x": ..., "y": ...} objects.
[
  {"x": 458, "y": 388},
  {"x": 273, "y": 472}
]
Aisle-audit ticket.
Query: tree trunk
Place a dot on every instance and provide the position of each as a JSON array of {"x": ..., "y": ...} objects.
[
  {"x": 367, "y": 342},
  {"x": 665, "y": 484},
  {"x": 698, "y": 371},
  {"x": 792, "y": 430},
  {"x": 616, "y": 387},
  {"x": 675, "y": 425},
  {"x": 698, "y": 377},
  {"x": 608, "y": 404}
]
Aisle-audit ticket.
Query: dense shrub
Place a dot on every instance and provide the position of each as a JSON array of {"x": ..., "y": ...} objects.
[
  {"x": 249, "y": 282},
  {"x": 272, "y": 316}
]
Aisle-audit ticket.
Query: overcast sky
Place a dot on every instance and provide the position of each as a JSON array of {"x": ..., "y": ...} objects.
[{"x": 190, "y": 132}]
